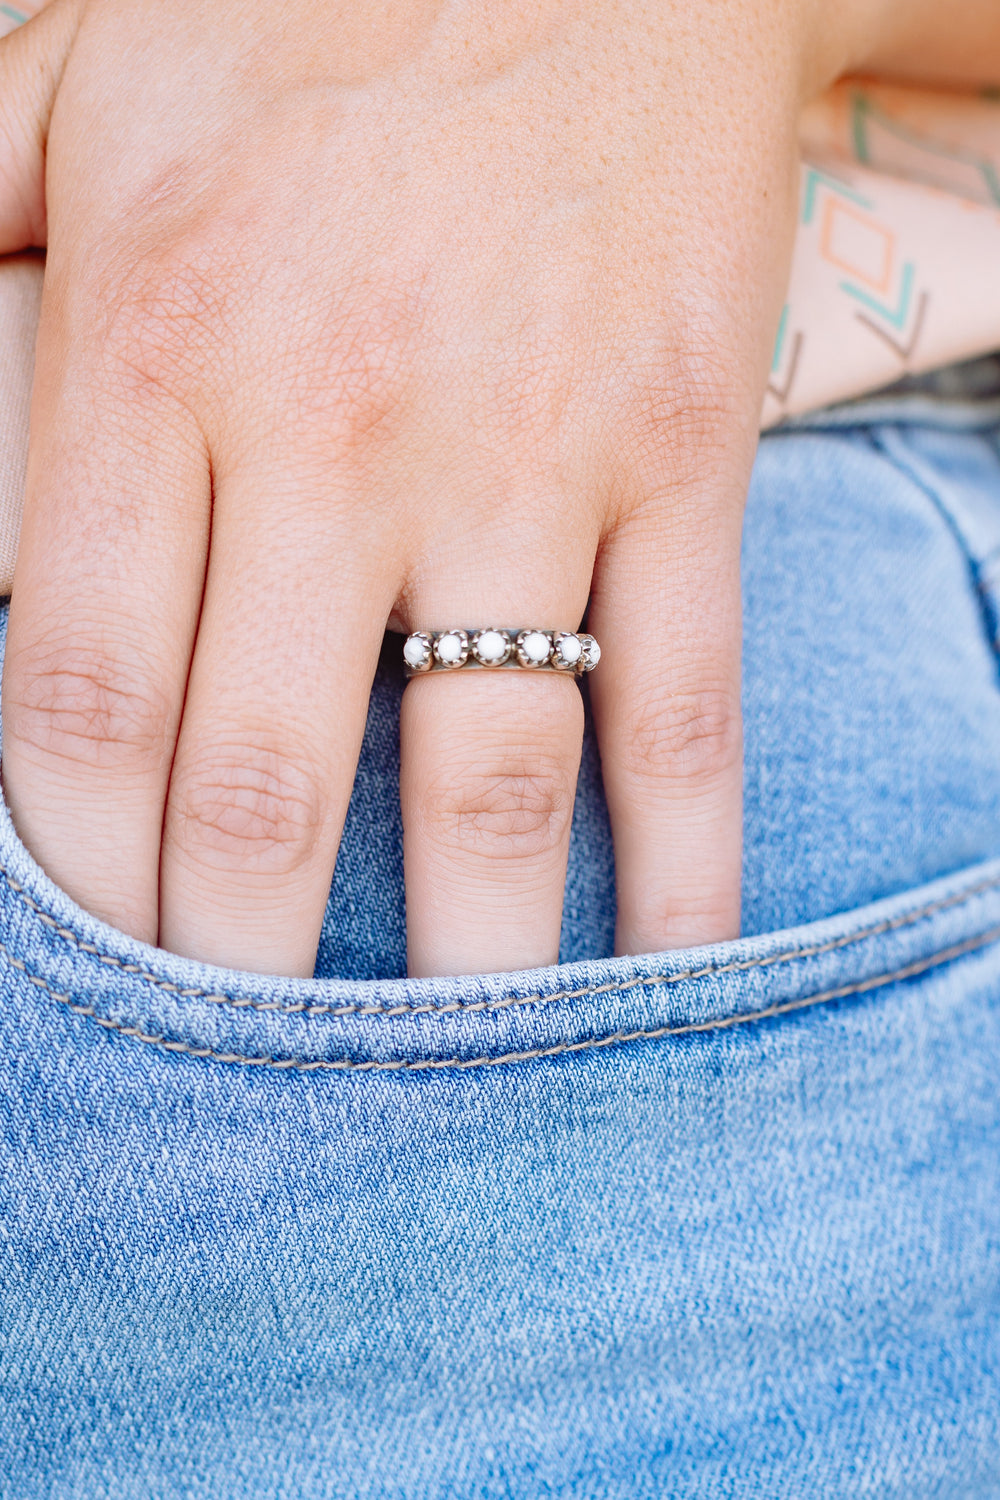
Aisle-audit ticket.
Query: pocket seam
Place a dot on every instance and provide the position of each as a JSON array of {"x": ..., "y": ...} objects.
[
  {"x": 618, "y": 1038},
  {"x": 309, "y": 1011}
]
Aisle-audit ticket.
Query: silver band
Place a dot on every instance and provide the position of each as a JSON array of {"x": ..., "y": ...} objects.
[{"x": 494, "y": 649}]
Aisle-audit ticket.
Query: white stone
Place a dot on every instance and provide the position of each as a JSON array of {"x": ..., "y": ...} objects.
[
  {"x": 450, "y": 647},
  {"x": 536, "y": 646},
  {"x": 415, "y": 651},
  {"x": 491, "y": 646},
  {"x": 593, "y": 652},
  {"x": 570, "y": 648}
]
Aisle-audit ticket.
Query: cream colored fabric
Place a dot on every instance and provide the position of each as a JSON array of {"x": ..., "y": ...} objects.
[{"x": 896, "y": 267}]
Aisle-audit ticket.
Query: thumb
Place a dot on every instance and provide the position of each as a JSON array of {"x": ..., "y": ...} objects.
[{"x": 32, "y": 59}]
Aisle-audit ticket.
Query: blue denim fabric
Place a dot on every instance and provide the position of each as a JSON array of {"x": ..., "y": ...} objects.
[{"x": 714, "y": 1223}]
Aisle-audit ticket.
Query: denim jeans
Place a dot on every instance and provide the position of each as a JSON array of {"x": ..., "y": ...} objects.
[{"x": 712, "y": 1223}]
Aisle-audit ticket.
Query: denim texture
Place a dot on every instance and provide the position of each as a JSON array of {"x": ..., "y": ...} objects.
[{"x": 712, "y": 1223}]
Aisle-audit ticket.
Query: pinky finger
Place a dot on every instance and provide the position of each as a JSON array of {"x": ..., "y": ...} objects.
[{"x": 666, "y": 610}]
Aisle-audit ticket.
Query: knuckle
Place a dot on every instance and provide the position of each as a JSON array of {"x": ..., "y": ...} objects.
[
  {"x": 685, "y": 922},
  {"x": 351, "y": 387},
  {"x": 247, "y": 807},
  {"x": 689, "y": 737},
  {"x": 529, "y": 397},
  {"x": 517, "y": 809},
  {"x": 167, "y": 313},
  {"x": 685, "y": 407},
  {"x": 88, "y": 708}
]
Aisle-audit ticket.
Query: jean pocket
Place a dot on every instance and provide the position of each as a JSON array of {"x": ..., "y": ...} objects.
[
  {"x": 710, "y": 1222},
  {"x": 60, "y": 962}
]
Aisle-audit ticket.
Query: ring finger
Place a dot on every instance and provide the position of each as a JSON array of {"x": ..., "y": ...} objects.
[{"x": 489, "y": 767}]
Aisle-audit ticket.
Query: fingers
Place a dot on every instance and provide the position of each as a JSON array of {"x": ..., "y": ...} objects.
[
  {"x": 292, "y": 623},
  {"x": 490, "y": 762},
  {"x": 32, "y": 59},
  {"x": 103, "y": 614},
  {"x": 666, "y": 611},
  {"x": 489, "y": 768}
]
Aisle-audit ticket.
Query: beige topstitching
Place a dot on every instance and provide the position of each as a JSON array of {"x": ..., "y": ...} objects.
[
  {"x": 418, "y": 1065},
  {"x": 303, "y": 1008},
  {"x": 905, "y": 919}
]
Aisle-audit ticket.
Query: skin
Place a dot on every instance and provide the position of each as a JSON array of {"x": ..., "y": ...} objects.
[{"x": 362, "y": 314}]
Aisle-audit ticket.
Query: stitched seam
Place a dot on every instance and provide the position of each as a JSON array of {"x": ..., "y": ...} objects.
[
  {"x": 639, "y": 981},
  {"x": 895, "y": 449},
  {"x": 617, "y": 1038}
]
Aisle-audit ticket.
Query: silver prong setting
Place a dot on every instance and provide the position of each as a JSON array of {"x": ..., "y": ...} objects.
[
  {"x": 492, "y": 647},
  {"x": 533, "y": 649},
  {"x": 418, "y": 652},
  {"x": 451, "y": 648},
  {"x": 591, "y": 653},
  {"x": 567, "y": 651}
]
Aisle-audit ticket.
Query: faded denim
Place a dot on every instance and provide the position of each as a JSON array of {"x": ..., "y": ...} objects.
[{"x": 715, "y": 1223}]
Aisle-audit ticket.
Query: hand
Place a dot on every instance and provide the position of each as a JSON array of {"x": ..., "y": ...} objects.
[{"x": 430, "y": 314}]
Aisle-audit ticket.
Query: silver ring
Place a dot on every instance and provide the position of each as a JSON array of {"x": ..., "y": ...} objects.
[{"x": 494, "y": 649}]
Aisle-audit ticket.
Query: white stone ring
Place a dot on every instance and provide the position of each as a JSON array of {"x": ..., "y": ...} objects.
[{"x": 531, "y": 650}]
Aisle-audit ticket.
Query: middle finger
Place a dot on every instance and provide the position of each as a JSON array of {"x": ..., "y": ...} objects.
[{"x": 296, "y": 601}]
